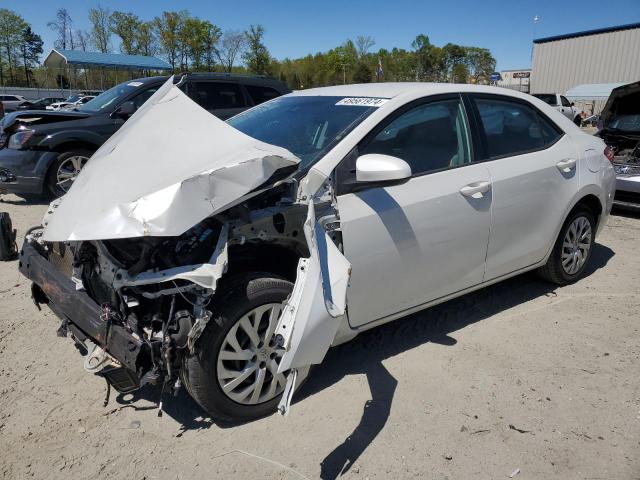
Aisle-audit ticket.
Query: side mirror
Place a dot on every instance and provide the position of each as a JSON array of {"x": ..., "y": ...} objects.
[
  {"x": 125, "y": 110},
  {"x": 573, "y": 104},
  {"x": 376, "y": 167}
]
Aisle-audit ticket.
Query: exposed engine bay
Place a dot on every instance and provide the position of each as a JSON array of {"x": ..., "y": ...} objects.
[{"x": 162, "y": 290}]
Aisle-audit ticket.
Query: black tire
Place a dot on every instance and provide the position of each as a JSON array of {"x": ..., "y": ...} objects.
[
  {"x": 51, "y": 181},
  {"x": 553, "y": 270},
  {"x": 198, "y": 371},
  {"x": 578, "y": 120}
]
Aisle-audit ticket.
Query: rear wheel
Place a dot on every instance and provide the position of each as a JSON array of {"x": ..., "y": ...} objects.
[
  {"x": 65, "y": 169},
  {"x": 234, "y": 374},
  {"x": 572, "y": 250}
]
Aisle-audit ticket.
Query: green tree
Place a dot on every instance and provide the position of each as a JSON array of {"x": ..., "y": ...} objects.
[
  {"x": 126, "y": 27},
  {"x": 460, "y": 73},
  {"x": 169, "y": 25},
  {"x": 453, "y": 55},
  {"x": 11, "y": 27},
  {"x": 199, "y": 38},
  {"x": 31, "y": 51},
  {"x": 100, "y": 28},
  {"x": 146, "y": 39},
  {"x": 363, "y": 73},
  {"x": 481, "y": 63},
  {"x": 256, "y": 55}
]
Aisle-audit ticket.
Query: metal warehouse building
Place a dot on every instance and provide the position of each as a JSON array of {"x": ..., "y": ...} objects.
[{"x": 606, "y": 55}]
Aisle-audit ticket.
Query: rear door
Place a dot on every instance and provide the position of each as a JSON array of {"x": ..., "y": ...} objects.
[
  {"x": 223, "y": 99},
  {"x": 532, "y": 164}
]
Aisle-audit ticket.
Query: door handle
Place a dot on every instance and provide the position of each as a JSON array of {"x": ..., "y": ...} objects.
[
  {"x": 566, "y": 165},
  {"x": 476, "y": 189}
]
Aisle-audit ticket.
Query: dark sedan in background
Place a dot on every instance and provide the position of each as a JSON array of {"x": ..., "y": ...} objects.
[{"x": 42, "y": 151}]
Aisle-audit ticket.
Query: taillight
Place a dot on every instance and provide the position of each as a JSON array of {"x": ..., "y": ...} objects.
[{"x": 609, "y": 153}]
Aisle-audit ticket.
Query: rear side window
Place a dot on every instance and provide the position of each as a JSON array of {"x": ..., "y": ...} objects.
[
  {"x": 512, "y": 128},
  {"x": 217, "y": 95},
  {"x": 429, "y": 137},
  {"x": 261, "y": 94}
]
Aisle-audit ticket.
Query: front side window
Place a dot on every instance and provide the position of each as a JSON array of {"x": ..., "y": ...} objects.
[
  {"x": 429, "y": 137},
  {"x": 565, "y": 102},
  {"x": 512, "y": 128},
  {"x": 217, "y": 95}
]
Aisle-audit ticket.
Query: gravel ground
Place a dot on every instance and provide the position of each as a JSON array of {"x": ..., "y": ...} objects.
[{"x": 520, "y": 379}]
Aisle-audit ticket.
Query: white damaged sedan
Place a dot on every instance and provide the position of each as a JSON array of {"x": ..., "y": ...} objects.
[{"x": 228, "y": 257}]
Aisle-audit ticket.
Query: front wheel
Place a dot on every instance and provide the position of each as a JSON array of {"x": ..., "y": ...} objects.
[
  {"x": 234, "y": 375},
  {"x": 65, "y": 169},
  {"x": 578, "y": 120},
  {"x": 572, "y": 250}
]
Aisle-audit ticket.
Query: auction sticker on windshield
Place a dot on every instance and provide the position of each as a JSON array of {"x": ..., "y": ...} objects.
[{"x": 363, "y": 101}]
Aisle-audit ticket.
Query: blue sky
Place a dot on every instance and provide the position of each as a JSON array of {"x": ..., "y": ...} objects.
[{"x": 296, "y": 28}]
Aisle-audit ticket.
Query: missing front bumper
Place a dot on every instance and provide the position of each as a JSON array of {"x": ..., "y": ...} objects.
[{"x": 81, "y": 315}]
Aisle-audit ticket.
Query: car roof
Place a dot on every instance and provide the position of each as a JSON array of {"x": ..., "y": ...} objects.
[{"x": 395, "y": 89}]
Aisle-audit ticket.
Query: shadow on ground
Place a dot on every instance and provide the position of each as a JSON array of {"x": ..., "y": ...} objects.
[
  {"x": 26, "y": 200},
  {"x": 365, "y": 354}
]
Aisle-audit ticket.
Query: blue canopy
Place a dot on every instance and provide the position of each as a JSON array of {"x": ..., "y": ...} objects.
[{"x": 60, "y": 58}]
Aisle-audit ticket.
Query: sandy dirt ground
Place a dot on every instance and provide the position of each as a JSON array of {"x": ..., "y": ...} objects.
[{"x": 520, "y": 379}]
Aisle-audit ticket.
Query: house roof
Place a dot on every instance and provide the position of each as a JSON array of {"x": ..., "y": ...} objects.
[
  {"x": 584, "y": 33},
  {"x": 592, "y": 91},
  {"x": 59, "y": 58}
]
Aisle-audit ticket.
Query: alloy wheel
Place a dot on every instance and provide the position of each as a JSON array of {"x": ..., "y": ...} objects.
[
  {"x": 69, "y": 170},
  {"x": 576, "y": 245},
  {"x": 247, "y": 366}
]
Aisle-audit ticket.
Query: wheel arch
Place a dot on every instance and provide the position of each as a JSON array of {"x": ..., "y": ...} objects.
[
  {"x": 280, "y": 259},
  {"x": 589, "y": 196}
]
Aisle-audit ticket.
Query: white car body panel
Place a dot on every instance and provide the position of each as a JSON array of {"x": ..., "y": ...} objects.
[
  {"x": 427, "y": 238},
  {"x": 523, "y": 186},
  {"x": 410, "y": 232},
  {"x": 177, "y": 175}
]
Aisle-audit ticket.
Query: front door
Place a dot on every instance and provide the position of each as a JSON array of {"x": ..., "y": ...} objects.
[{"x": 412, "y": 243}]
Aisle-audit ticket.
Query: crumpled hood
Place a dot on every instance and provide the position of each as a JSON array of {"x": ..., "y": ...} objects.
[
  {"x": 169, "y": 167},
  {"x": 37, "y": 117},
  {"x": 620, "y": 101}
]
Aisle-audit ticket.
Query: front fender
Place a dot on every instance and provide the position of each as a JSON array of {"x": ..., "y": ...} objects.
[{"x": 54, "y": 140}]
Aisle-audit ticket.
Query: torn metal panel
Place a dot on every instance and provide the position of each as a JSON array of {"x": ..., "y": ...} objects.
[
  {"x": 311, "y": 316},
  {"x": 206, "y": 274},
  {"x": 169, "y": 167}
]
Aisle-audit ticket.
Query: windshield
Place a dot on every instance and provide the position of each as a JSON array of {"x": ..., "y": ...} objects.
[
  {"x": 549, "y": 98},
  {"x": 110, "y": 98},
  {"x": 306, "y": 126},
  {"x": 73, "y": 98}
]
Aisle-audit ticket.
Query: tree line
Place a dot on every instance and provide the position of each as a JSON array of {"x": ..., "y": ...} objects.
[{"x": 190, "y": 43}]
